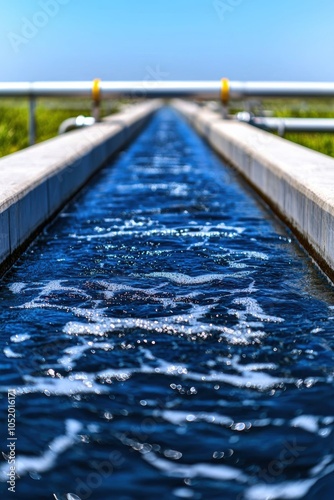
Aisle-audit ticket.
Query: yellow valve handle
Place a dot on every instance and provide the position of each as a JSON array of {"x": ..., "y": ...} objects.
[
  {"x": 225, "y": 90},
  {"x": 96, "y": 90}
]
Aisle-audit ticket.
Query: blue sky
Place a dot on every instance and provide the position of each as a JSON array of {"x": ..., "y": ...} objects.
[{"x": 166, "y": 39}]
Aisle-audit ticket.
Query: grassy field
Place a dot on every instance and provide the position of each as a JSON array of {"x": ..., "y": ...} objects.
[
  {"x": 50, "y": 114},
  {"x": 313, "y": 108},
  {"x": 308, "y": 108}
]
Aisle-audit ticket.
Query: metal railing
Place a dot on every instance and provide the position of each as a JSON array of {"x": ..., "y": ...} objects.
[
  {"x": 201, "y": 89},
  {"x": 223, "y": 90},
  {"x": 283, "y": 125}
]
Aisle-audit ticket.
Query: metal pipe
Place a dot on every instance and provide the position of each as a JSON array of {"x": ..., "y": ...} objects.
[
  {"x": 145, "y": 89},
  {"x": 113, "y": 89},
  {"x": 32, "y": 120},
  {"x": 282, "y": 125},
  {"x": 281, "y": 89},
  {"x": 73, "y": 123}
]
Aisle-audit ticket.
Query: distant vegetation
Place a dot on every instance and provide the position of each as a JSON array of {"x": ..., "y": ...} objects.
[
  {"x": 324, "y": 143},
  {"x": 50, "y": 114},
  {"x": 313, "y": 108}
]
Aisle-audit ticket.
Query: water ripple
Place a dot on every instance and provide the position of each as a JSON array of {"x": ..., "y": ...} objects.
[{"x": 176, "y": 331}]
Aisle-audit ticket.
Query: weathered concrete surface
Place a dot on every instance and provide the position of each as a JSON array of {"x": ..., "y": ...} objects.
[
  {"x": 298, "y": 183},
  {"x": 38, "y": 181}
]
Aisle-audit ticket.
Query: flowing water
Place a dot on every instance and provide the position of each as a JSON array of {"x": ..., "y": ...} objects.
[{"x": 167, "y": 338}]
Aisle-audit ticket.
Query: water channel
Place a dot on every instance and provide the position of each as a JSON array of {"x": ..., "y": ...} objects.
[{"x": 168, "y": 338}]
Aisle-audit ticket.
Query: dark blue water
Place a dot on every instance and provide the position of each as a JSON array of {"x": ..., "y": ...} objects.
[{"x": 167, "y": 338}]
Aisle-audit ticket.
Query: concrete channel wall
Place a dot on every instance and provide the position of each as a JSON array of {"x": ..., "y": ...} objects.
[
  {"x": 296, "y": 182},
  {"x": 36, "y": 182}
]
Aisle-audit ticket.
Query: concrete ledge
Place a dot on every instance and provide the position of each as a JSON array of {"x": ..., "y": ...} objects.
[
  {"x": 36, "y": 182},
  {"x": 298, "y": 183}
]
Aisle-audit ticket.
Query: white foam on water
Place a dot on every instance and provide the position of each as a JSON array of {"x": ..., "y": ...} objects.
[
  {"x": 237, "y": 265},
  {"x": 11, "y": 354},
  {"x": 183, "y": 324},
  {"x": 179, "y": 324},
  {"x": 49, "y": 288},
  {"x": 222, "y": 225},
  {"x": 248, "y": 378},
  {"x": 113, "y": 219},
  {"x": 181, "y": 190},
  {"x": 291, "y": 489},
  {"x": 249, "y": 254},
  {"x": 175, "y": 417},
  {"x": 190, "y": 295},
  {"x": 72, "y": 354},
  {"x": 89, "y": 314},
  {"x": 127, "y": 225},
  {"x": 20, "y": 337},
  {"x": 185, "y": 232},
  {"x": 309, "y": 423},
  {"x": 180, "y": 417},
  {"x": 324, "y": 467},
  {"x": 183, "y": 493},
  {"x": 198, "y": 244},
  {"x": 185, "y": 279},
  {"x": 76, "y": 383},
  {"x": 112, "y": 289},
  {"x": 17, "y": 287},
  {"x": 256, "y": 255},
  {"x": 250, "y": 289},
  {"x": 143, "y": 222},
  {"x": 209, "y": 228},
  {"x": 252, "y": 308},
  {"x": 170, "y": 186},
  {"x": 218, "y": 472},
  {"x": 48, "y": 459},
  {"x": 234, "y": 362}
]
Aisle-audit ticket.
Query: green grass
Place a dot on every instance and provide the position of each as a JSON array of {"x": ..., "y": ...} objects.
[
  {"x": 51, "y": 112},
  {"x": 313, "y": 108},
  {"x": 49, "y": 115},
  {"x": 296, "y": 108},
  {"x": 310, "y": 108},
  {"x": 324, "y": 143}
]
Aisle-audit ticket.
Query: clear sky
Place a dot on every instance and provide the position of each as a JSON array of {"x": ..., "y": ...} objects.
[{"x": 166, "y": 39}]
